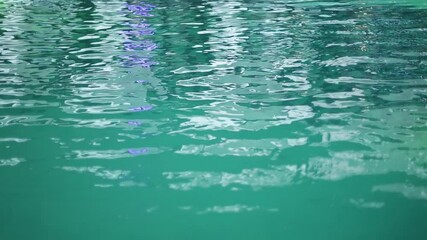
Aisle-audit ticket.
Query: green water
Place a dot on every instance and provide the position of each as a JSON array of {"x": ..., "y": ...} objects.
[{"x": 269, "y": 120}]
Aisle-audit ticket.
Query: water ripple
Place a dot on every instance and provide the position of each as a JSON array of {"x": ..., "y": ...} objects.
[{"x": 217, "y": 93}]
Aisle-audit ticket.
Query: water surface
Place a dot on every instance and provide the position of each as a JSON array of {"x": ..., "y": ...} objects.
[{"x": 213, "y": 119}]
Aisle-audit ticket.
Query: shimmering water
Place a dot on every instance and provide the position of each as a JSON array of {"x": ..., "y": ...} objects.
[{"x": 213, "y": 119}]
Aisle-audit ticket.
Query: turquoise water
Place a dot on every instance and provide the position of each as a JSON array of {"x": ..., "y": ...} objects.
[{"x": 213, "y": 120}]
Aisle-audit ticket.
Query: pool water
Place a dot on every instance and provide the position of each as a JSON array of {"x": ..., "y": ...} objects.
[{"x": 213, "y": 119}]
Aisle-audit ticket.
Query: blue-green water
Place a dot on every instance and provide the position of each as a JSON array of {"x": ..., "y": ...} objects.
[{"x": 213, "y": 120}]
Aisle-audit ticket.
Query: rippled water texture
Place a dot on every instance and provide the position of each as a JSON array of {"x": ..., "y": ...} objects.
[{"x": 213, "y": 120}]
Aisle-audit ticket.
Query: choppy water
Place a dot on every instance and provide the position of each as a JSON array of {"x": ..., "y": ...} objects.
[{"x": 213, "y": 119}]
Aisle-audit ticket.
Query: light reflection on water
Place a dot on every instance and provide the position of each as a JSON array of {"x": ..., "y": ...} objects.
[{"x": 225, "y": 107}]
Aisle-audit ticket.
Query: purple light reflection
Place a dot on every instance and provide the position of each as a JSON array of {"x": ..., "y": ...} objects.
[
  {"x": 142, "y": 46},
  {"x": 138, "y": 151},
  {"x": 135, "y": 123},
  {"x": 142, "y": 9},
  {"x": 137, "y": 30}
]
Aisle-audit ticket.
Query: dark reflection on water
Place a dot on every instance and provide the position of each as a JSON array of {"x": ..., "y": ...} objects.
[{"x": 282, "y": 116}]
